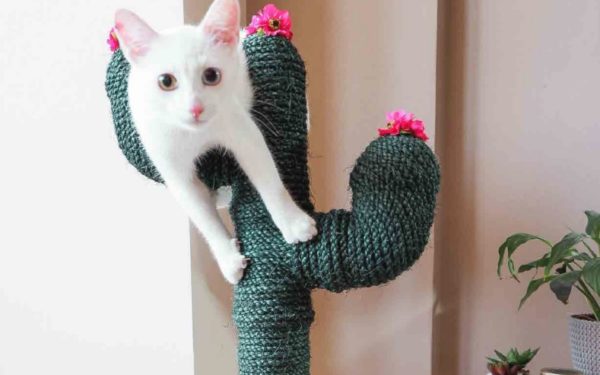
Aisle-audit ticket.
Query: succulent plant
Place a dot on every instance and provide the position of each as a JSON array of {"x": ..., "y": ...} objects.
[{"x": 511, "y": 363}]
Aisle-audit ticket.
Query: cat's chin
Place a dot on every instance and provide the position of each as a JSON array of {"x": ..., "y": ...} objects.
[{"x": 194, "y": 124}]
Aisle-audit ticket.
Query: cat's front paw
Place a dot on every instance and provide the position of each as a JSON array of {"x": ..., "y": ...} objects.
[
  {"x": 233, "y": 264},
  {"x": 299, "y": 227}
]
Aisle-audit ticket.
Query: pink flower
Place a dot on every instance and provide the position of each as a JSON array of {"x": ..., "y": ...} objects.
[
  {"x": 418, "y": 130},
  {"x": 271, "y": 21},
  {"x": 402, "y": 122},
  {"x": 113, "y": 41}
]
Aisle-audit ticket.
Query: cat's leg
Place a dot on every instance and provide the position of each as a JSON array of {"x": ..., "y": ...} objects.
[
  {"x": 252, "y": 153},
  {"x": 198, "y": 202}
]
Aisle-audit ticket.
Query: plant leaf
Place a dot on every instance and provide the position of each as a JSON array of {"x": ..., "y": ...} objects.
[
  {"x": 562, "y": 249},
  {"x": 593, "y": 225},
  {"x": 533, "y": 286},
  {"x": 591, "y": 274},
  {"x": 562, "y": 285},
  {"x": 511, "y": 268},
  {"x": 511, "y": 244},
  {"x": 583, "y": 256},
  {"x": 492, "y": 360},
  {"x": 526, "y": 356},
  {"x": 535, "y": 264},
  {"x": 500, "y": 355}
]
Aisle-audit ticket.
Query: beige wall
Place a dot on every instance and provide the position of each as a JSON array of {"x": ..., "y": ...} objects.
[{"x": 519, "y": 140}]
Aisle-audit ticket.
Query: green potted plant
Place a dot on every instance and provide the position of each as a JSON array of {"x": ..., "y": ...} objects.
[
  {"x": 573, "y": 262},
  {"x": 511, "y": 363}
]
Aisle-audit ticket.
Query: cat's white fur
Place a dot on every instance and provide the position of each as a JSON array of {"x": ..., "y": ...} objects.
[{"x": 174, "y": 138}]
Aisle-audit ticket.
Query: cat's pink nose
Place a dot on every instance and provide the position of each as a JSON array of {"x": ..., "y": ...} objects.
[{"x": 196, "y": 111}]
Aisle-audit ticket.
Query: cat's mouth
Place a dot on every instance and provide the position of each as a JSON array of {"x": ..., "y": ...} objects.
[{"x": 195, "y": 123}]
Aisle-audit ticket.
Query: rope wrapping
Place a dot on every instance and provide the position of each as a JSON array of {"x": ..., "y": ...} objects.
[{"x": 394, "y": 184}]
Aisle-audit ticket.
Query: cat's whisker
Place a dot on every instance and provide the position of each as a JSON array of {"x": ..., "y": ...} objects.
[
  {"x": 270, "y": 126},
  {"x": 267, "y": 127},
  {"x": 269, "y": 104}
]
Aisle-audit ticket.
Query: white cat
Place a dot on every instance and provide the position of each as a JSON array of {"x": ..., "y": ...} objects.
[{"x": 189, "y": 91}]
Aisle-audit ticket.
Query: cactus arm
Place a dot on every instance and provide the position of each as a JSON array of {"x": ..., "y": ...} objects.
[{"x": 394, "y": 186}]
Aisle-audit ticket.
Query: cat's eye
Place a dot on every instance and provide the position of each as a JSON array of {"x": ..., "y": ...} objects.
[
  {"x": 167, "y": 82},
  {"x": 211, "y": 76}
]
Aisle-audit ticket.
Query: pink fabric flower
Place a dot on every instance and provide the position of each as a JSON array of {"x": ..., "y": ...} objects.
[
  {"x": 402, "y": 122},
  {"x": 271, "y": 21},
  {"x": 113, "y": 41}
]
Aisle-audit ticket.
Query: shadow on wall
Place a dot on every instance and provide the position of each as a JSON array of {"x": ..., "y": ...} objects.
[{"x": 456, "y": 224}]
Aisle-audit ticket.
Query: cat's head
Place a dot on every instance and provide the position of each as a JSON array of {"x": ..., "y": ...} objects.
[{"x": 181, "y": 77}]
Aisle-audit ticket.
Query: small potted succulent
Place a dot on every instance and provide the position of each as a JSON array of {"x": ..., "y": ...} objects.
[
  {"x": 571, "y": 263},
  {"x": 511, "y": 363}
]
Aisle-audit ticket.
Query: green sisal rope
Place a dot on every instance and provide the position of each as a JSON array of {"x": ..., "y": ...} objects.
[{"x": 394, "y": 185}]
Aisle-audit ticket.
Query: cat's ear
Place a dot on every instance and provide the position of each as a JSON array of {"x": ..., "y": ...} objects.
[
  {"x": 134, "y": 34},
  {"x": 222, "y": 22}
]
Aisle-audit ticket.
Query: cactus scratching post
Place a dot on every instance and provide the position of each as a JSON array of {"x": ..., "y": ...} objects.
[{"x": 394, "y": 185}]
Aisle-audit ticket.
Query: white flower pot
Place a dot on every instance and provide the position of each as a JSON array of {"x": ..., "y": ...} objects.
[{"x": 585, "y": 345}]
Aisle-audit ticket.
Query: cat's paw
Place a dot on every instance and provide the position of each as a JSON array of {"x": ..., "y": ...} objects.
[
  {"x": 233, "y": 264},
  {"x": 299, "y": 227}
]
